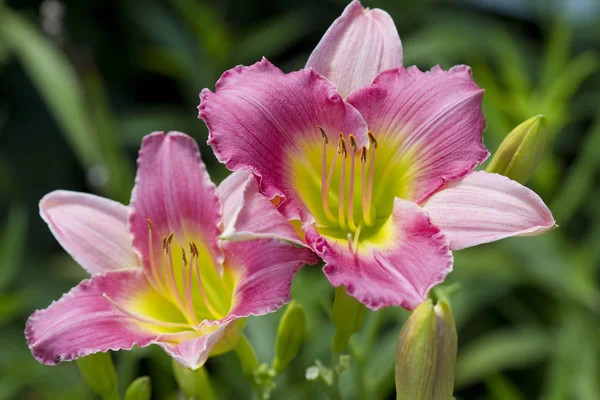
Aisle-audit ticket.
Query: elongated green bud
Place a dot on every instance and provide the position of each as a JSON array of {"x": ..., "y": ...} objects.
[
  {"x": 290, "y": 334},
  {"x": 521, "y": 151},
  {"x": 426, "y": 354},
  {"x": 98, "y": 371},
  {"x": 139, "y": 389},
  {"x": 348, "y": 316}
]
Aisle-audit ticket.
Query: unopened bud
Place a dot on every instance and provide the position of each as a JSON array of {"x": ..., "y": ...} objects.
[
  {"x": 140, "y": 389},
  {"x": 290, "y": 334},
  {"x": 521, "y": 151},
  {"x": 426, "y": 354},
  {"x": 348, "y": 316},
  {"x": 98, "y": 371}
]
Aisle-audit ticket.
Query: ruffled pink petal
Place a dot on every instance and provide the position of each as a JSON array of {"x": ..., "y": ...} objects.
[
  {"x": 360, "y": 44},
  {"x": 434, "y": 119},
  {"x": 174, "y": 191},
  {"x": 91, "y": 228},
  {"x": 265, "y": 268},
  {"x": 259, "y": 119},
  {"x": 247, "y": 214},
  {"x": 193, "y": 353},
  {"x": 83, "y": 322},
  {"x": 485, "y": 207},
  {"x": 397, "y": 273}
]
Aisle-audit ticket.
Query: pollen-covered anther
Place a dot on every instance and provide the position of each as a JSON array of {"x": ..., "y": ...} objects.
[{"x": 323, "y": 133}]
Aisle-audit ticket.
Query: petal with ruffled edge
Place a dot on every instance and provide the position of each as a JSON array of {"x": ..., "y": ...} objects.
[
  {"x": 360, "y": 44},
  {"x": 174, "y": 191},
  {"x": 247, "y": 214},
  {"x": 396, "y": 267},
  {"x": 485, "y": 207},
  {"x": 432, "y": 120},
  {"x": 193, "y": 352},
  {"x": 264, "y": 269},
  {"x": 261, "y": 119},
  {"x": 91, "y": 228},
  {"x": 83, "y": 322}
]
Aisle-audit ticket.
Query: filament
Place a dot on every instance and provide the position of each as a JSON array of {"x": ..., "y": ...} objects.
[
  {"x": 211, "y": 309},
  {"x": 187, "y": 288},
  {"x": 153, "y": 266}
]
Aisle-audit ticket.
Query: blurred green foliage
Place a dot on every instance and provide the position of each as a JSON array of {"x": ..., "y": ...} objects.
[{"x": 82, "y": 82}]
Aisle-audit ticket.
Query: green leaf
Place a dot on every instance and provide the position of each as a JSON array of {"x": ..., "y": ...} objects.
[
  {"x": 64, "y": 95},
  {"x": 501, "y": 350},
  {"x": 270, "y": 38},
  {"x": 580, "y": 177},
  {"x": 12, "y": 244}
]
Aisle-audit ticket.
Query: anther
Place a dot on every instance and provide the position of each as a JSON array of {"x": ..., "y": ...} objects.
[
  {"x": 164, "y": 242},
  {"x": 323, "y": 133},
  {"x": 372, "y": 139},
  {"x": 149, "y": 224},
  {"x": 353, "y": 142},
  {"x": 363, "y": 154},
  {"x": 343, "y": 149},
  {"x": 183, "y": 257}
]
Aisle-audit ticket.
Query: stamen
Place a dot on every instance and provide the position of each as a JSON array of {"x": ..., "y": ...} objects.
[
  {"x": 363, "y": 162},
  {"x": 328, "y": 183},
  {"x": 371, "y": 175},
  {"x": 187, "y": 288},
  {"x": 211, "y": 309},
  {"x": 344, "y": 152},
  {"x": 351, "y": 188},
  {"x": 324, "y": 187},
  {"x": 145, "y": 319},
  {"x": 153, "y": 266},
  {"x": 171, "y": 276}
]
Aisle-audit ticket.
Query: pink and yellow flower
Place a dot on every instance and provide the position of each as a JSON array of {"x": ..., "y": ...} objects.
[
  {"x": 160, "y": 273},
  {"x": 375, "y": 161}
]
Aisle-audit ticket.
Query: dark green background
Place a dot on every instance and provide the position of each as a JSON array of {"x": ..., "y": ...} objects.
[{"x": 78, "y": 92}]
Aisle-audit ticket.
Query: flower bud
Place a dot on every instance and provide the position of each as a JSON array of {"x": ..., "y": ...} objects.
[
  {"x": 290, "y": 334},
  {"x": 426, "y": 354},
  {"x": 521, "y": 151},
  {"x": 140, "y": 389},
  {"x": 98, "y": 371},
  {"x": 348, "y": 316}
]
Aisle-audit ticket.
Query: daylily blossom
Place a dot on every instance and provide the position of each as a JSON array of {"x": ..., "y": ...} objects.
[
  {"x": 160, "y": 273},
  {"x": 374, "y": 160}
]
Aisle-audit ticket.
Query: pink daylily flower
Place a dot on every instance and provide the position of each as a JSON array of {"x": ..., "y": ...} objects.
[
  {"x": 375, "y": 160},
  {"x": 160, "y": 273}
]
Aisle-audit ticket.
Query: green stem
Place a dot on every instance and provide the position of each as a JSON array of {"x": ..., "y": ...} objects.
[
  {"x": 247, "y": 356},
  {"x": 204, "y": 383},
  {"x": 335, "y": 393}
]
